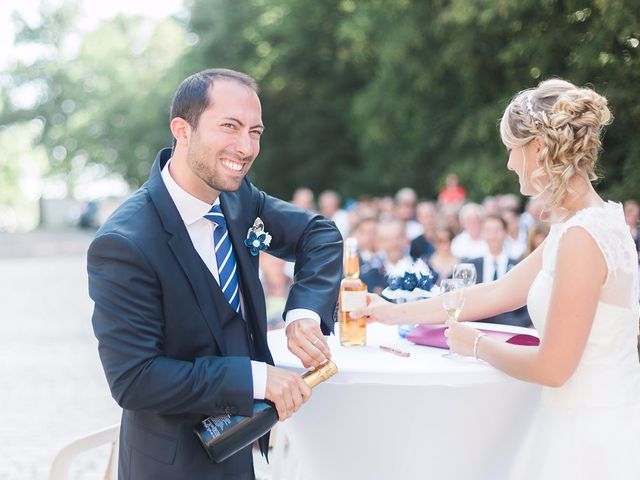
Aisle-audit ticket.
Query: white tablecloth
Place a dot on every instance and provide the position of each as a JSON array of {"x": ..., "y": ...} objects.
[{"x": 388, "y": 417}]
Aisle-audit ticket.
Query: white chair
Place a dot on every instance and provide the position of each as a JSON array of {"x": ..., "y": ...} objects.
[{"x": 64, "y": 458}]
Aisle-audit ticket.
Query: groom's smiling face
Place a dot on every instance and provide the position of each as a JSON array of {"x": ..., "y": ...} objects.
[{"x": 226, "y": 140}]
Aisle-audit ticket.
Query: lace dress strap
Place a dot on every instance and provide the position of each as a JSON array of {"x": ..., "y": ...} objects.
[{"x": 607, "y": 227}]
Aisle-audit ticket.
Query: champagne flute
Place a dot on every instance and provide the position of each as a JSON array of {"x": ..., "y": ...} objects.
[
  {"x": 452, "y": 294},
  {"x": 465, "y": 272}
]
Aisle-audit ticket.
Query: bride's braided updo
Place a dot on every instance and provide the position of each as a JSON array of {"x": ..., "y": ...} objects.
[{"x": 569, "y": 121}]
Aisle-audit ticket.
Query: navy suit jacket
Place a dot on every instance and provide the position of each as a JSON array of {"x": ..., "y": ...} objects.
[
  {"x": 160, "y": 319},
  {"x": 520, "y": 316}
]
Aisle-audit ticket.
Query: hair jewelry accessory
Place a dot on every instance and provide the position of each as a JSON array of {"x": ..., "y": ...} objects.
[
  {"x": 258, "y": 240},
  {"x": 529, "y": 106}
]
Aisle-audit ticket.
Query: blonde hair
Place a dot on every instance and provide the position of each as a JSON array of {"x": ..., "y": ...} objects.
[{"x": 569, "y": 120}]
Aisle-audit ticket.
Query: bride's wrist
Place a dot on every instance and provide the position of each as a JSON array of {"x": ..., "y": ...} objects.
[{"x": 476, "y": 345}]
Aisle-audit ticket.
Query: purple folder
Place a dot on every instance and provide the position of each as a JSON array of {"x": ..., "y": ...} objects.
[{"x": 433, "y": 336}]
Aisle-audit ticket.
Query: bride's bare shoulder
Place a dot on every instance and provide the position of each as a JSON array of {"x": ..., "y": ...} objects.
[{"x": 579, "y": 251}]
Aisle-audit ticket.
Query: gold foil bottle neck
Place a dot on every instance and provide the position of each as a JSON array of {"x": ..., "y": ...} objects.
[{"x": 320, "y": 374}]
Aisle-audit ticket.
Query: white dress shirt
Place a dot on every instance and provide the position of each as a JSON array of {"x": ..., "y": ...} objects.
[
  {"x": 515, "y": 248},
  {"x": 341, "y": 219},
  {"x": 192, "y": 211},
  {"x": 489, "y": 263},
  {"x": 463, "y": 246},
  {"x": 413, "y": 229}
]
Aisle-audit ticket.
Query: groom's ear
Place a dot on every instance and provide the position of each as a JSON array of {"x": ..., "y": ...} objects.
[{"x": 181, "y": 131}]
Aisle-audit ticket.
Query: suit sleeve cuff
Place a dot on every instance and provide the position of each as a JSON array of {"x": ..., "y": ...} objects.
[
  {"x": 259, "y": 375},
  {"x": 298, "y": 313}
]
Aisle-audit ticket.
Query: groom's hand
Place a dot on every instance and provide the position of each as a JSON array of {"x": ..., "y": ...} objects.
[
  {"x": 307, "y": 342},
  {"x": 286, "y": 390}
]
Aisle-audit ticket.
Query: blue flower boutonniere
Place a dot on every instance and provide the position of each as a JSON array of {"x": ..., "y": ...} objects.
[{"x": 258, "y": 240}]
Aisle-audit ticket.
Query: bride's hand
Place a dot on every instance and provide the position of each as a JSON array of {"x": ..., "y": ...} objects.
[
  {"x": 378, "y": 310},
  {"x": 461, "y": 338}
]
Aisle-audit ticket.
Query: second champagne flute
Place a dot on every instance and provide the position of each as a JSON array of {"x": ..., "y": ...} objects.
[
  {"x": 452, "y": 293},
  {"x": 465, "y": 272}
]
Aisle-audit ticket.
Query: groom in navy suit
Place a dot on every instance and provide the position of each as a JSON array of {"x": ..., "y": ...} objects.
[{"x": 179, "y": 308}]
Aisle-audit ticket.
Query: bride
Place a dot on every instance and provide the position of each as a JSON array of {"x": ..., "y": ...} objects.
[{"x": 581, "y": 289}]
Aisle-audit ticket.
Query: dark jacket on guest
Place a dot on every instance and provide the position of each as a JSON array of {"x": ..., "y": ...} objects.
[{"x": 519, "y": 317}]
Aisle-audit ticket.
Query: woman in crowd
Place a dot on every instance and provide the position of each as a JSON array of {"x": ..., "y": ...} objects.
[
  {"x": 442, "y": 260},
  {"x": 535, "y": 236}
]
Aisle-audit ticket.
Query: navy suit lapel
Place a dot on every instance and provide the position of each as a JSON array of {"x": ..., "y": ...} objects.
[
  {"x": 238, "y": 223},
  {"x": 202, "y": 286},
  {"x": 239, "y": 220},
  {"x": 182, "y": 248}
]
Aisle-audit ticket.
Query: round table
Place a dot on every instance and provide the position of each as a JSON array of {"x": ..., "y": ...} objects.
[{"x": 389, "y": 417}]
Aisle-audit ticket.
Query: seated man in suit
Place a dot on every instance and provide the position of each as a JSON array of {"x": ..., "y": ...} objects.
[
  {"x": 469, "y": 242},
  {"x": 494, "y": 264},
  {"x": 392, "y": 244},
  {"x": 364, "y": 231},
  {"x": 179, "y": 310},
  {"x": 423, "y": 245}
]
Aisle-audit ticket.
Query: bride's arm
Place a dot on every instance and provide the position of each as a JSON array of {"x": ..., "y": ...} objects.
[
  {"x": 579, "y": 275},
  {"x": 482, "y": 301}
]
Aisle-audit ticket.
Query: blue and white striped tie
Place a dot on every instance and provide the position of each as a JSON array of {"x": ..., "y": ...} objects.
[{"x": 225, "y": 257}]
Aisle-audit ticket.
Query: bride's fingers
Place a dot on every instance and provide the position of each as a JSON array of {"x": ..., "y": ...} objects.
[
  {"x": 373, "y": 302},
  {"x": 364, "y": 312},
  {"x": 371, "y": 319}
]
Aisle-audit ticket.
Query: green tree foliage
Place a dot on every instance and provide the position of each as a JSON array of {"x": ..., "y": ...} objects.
[
  {"x": 107, "y": 104},
  {"x": 366, "y": 97},
  {"x": 361, "y": 97},
  {"x": 293, "y": 51},
  {"x": 9, "y": 169}
]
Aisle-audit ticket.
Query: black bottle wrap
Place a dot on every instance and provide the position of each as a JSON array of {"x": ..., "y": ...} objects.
[{"x": 224, "y": 435}]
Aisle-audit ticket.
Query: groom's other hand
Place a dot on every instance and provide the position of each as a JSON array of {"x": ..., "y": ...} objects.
[
  {"x": 306, "y": 341},
  {"x": 286, "y": 390}
]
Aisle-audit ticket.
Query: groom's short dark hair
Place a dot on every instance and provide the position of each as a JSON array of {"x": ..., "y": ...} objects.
[{"x": 192, "y": 96}]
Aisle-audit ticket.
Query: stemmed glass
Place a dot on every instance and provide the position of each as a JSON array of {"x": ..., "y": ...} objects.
[
  {"x": 452, "y": 294},
  {"x": 465, "y": 272}
]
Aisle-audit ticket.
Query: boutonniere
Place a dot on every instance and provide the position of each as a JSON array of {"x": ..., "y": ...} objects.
[{"x": 257, "y": 238}]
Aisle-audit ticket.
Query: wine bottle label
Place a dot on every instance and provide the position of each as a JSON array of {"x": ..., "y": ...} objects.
[
  {"x": 216, "y": 425},
  {"x": 350, "y": 301}
]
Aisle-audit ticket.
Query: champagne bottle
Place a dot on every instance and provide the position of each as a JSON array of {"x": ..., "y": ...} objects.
[
  {"x": 224, "y": 435},
  {"x": 353, "y": 295}
]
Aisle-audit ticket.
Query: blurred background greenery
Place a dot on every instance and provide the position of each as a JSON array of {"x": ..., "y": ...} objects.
[{"x": 362, "y": 97}]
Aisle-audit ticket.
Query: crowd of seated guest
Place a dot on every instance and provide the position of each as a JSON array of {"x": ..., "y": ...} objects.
[{"x": 493, "y": 234}]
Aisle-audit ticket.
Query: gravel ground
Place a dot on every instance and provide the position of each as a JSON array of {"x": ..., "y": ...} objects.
[{"x": 53, "y": 390}]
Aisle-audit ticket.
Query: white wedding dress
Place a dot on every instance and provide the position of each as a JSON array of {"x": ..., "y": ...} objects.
[{"x": 590, "y": 427}]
